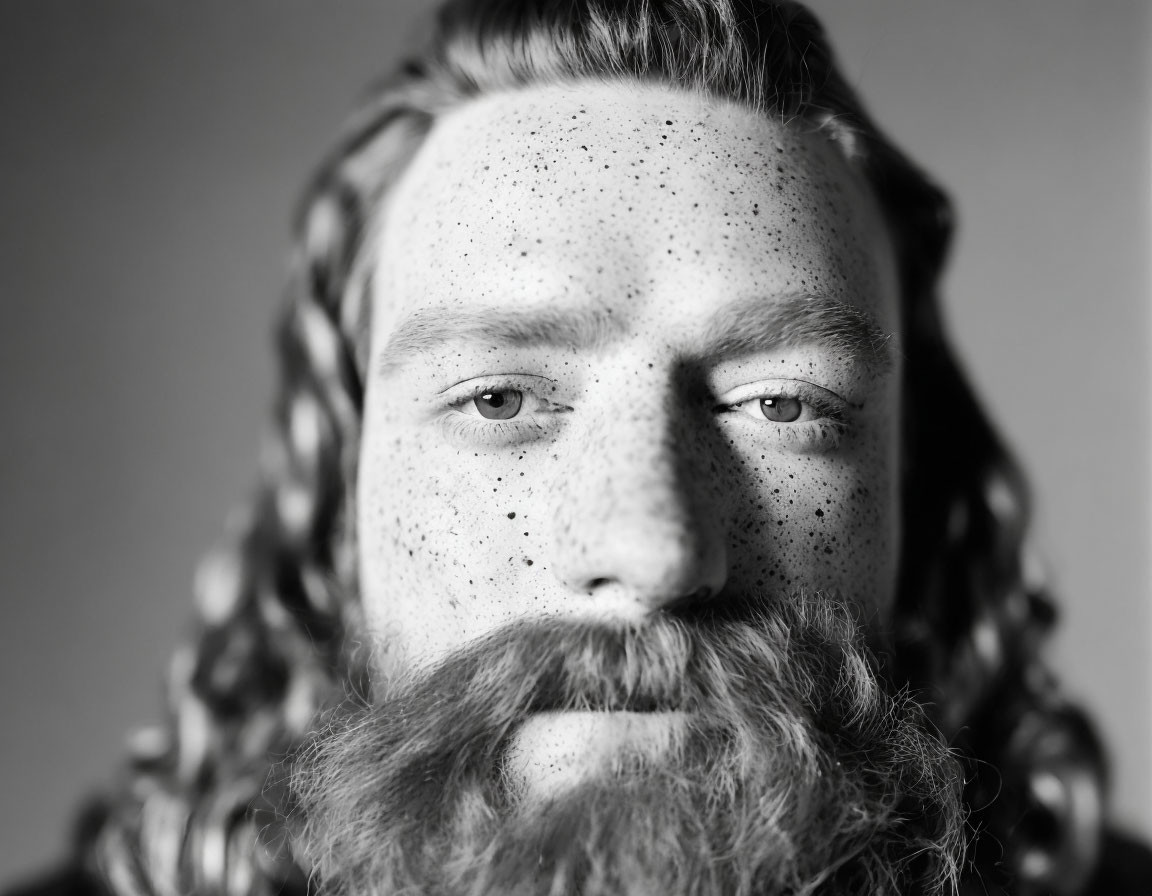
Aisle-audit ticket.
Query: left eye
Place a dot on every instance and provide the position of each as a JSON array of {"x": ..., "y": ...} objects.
[
  {"x": 503, "y": 404},
  {"x": 777, "y": 408}
]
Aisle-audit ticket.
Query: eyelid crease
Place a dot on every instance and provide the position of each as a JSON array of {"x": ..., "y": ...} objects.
[
  {"x": 493, "y": 380},
  {"x": 761, "y": 386}
]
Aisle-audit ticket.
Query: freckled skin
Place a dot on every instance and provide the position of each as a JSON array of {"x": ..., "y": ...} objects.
[{"x": 628, "y": 485}]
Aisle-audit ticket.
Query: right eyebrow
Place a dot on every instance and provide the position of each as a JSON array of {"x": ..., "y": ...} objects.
[{"x": 429, "y": 328}]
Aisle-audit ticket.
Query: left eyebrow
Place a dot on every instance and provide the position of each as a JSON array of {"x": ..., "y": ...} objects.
[{"x": 754, "y": 324}]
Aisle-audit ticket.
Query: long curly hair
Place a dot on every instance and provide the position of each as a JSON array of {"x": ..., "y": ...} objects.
[{"x": 278, "y": 614}]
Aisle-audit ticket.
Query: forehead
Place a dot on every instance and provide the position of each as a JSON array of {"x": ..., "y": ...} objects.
[{"x": 602, "y": 193}]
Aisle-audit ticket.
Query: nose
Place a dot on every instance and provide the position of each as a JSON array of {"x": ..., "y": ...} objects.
[{"x": 638, "y": 519}]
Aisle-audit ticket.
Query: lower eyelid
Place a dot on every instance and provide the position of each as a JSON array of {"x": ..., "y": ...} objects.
[
  {"x": 463, "y": 427},
  {"x": 815, "y": 436}
]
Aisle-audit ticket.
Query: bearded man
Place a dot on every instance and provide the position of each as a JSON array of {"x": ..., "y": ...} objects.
[{"x": 631, "y": 527}]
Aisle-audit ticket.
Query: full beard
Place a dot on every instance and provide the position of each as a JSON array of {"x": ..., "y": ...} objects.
[{"x": 797, "y": 770}]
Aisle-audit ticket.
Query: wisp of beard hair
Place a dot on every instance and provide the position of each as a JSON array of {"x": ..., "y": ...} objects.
[{"x": 799, "y": 771}]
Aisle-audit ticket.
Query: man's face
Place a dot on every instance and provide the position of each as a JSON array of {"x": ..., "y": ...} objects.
[{"x": 628, "y": 358}]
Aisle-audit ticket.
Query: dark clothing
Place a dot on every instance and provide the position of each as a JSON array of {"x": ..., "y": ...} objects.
[
  {"x": 69, "y": 882},
  {"x": 1125, "y": 870}
]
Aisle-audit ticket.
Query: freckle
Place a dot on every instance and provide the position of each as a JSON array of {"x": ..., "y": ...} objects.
[
  {"x": 819, "y": 513},
  {"x": 512, "y": 515}
]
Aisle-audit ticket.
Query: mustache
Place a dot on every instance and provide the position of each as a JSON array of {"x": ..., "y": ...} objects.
[
  {"x": 663, "y": 663},
  {"x": 575, "y": 666},
  {"x": 713, "y": 667}
]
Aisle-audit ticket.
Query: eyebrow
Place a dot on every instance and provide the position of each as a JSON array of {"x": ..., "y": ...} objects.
[
  {"x": 742, "y": 328},
  {"x": 429, "y": 328},
  {"x": 751, "y": 325}
]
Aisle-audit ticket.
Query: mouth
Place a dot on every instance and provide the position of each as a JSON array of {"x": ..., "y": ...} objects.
[{"x": 553, "y": 751}]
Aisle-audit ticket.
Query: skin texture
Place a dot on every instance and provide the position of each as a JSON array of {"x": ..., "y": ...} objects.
[{"x": 610, "y": 257}]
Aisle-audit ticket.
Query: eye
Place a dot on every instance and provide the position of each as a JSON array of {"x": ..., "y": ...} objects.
[
  {"x": 776, "y": 408},
  {"x": 499, "y": 410},
  {"x": 503, "y": 404},
  {"x": 785, "y": 402},
  {"x": 795, "y": 415}
]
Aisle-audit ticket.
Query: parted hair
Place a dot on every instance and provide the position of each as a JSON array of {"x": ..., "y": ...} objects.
[{"x": 278, "y": 616}]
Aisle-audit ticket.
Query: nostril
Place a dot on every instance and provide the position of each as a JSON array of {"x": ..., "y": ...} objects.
[{"x": 598, "y": 583}]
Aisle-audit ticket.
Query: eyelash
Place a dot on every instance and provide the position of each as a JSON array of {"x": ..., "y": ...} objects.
[{"x": 818, "y": 435}]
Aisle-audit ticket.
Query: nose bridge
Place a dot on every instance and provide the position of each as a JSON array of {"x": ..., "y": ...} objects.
[{"x": 634, "y": 516}]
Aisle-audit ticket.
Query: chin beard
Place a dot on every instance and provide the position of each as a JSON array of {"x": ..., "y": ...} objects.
[{"x": 797, "y": 771}]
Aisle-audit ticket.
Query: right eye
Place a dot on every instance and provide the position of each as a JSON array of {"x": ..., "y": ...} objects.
[{"x": 501, "y": 410}]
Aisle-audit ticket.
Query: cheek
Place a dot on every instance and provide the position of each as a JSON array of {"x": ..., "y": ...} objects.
[
  {"x": 447, "y": 540},
  {"x": 818, "y": 523}
]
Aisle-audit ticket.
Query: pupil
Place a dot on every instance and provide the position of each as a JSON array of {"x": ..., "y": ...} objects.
[
  {"x": 496, "y": 399},
  {"x": 780, "y": 409}
]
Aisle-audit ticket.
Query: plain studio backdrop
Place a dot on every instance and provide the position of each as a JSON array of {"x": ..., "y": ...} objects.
[{"x": 150, "y": 153}]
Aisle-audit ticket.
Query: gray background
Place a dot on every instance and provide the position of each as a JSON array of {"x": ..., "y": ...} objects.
[{"x": 150, "y": 155}]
